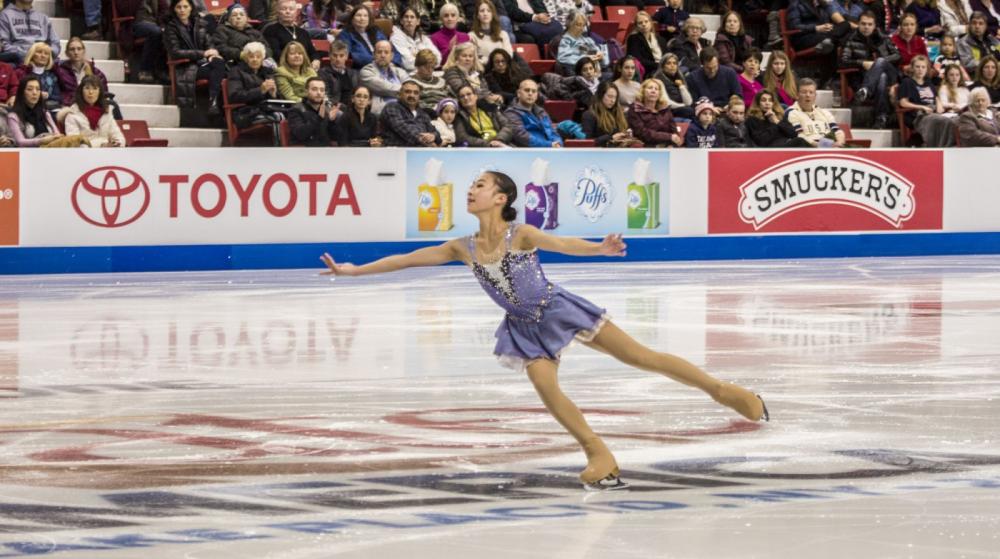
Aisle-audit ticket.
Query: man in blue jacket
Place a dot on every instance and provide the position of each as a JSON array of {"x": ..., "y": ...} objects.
[
  {"x": 531, "y": 125},
  {"x": 20, "y": 27}
]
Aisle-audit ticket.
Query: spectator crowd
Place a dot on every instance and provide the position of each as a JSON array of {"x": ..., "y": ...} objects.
[{"x": 519, "y": 73}]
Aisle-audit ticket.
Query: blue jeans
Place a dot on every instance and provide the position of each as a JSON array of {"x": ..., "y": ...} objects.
[
  {"x": 877, "y": 80},
  {"x": 92, "y": 12}
]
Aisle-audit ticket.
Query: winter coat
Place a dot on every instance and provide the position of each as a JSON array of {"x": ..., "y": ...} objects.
[
  {"x": 107, "y": 129},
  {"x": 733, "y": 135},
  {"x": 19, "y": 29},
  {"x": 971, "y": 50},
  {"x": 652, "y": 127},
  {"x": 667, "y": 16},
  {"x": 467, "y": 135},
  {"x": 677, "y": 96},
  {"x": 531, "y": 126},
  {"x": 457, "y": 77},
  {"x": 858, "y": 49},
  {"x": 977, "y": 131},
  {"x": 179, "y": 43},
  {"x": 68, "y": 82},
  {"x": 593, "y": 130},
  {"x": 638, "y": 47},
  {"x": 310, "y": 129},
  {"x": 352, "y": 132},
  {"x": 733, "y": 49},
  {"x": 804, "y": 17},
  {"x": 687, "y": 54},
  {"x": 243, "y": 85},
  {"x": 293, "y": 86},
  {"x": 339, "y": 86},
  {"x": 8, "y": 82},
  {"x": 402, "y": 126},
  {"x": 277, "y": 37},
  {"x": 361, "y": 55},
  {"x": 230, "y": 41},
  {"x": 917, "y": 45},
  {"x": 766, "y": 134}
]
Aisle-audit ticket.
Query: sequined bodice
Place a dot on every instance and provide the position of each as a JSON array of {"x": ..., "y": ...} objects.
[{"x": 515, "y": 281}]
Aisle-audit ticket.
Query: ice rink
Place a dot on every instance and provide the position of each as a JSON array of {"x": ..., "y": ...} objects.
[{"x": 279, "y": 414}]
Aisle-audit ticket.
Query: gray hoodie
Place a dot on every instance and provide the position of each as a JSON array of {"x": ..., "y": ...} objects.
[{"x": 19, "y": 29}]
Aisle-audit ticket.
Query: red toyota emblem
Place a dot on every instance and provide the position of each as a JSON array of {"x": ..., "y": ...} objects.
[{"x": 110, "y": 196}]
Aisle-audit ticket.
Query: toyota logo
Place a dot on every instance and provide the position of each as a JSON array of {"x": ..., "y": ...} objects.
[{"x": 110, "y": 196}]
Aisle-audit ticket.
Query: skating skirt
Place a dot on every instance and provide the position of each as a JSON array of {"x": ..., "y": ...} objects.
[{"x": 566, "y": 318}]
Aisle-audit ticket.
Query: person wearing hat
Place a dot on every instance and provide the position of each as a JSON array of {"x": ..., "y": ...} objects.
[
  {"x": 702, "y": 132},
  {"x": 446, "y": 110}
]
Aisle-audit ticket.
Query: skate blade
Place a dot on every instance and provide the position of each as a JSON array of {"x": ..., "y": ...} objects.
[{"x": 610, "y": 483}]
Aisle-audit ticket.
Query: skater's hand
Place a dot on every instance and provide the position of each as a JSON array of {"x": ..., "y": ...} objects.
[
  {"x": 336, "y": 269},
  {"x": 613, "y": 245}
]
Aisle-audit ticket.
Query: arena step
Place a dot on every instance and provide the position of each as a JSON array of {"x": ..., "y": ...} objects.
[
  {"x": 824, "y": 98},
  {"x": 139, "y": 94},
  {"x": 841, "y": 115},
  {"x": 62, "y": 26},
  {"x": 48, "y": 7},
  {"x": 879, "y": 138},
  {"x": 114, "y": 70},
  {"x": 158, "y": 116},
  {"x": 712, "y": 21},
  {"x": 190, "y": 137},
  {"x": 95, "y": 49}
]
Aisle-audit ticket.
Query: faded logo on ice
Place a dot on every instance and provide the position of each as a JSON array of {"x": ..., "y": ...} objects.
[
  {"x": 826, "y": 179},
  {"x": 594, "y": 193}
]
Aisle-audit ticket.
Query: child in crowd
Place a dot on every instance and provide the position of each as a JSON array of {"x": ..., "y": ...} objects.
[
  {"x": 703, "y": 133},
  {"x": 948, "y": 56},
  {"x": 732, "y": 125},
  {"x": 672, "y": 16},
  {"x": 446, "y": 110}
]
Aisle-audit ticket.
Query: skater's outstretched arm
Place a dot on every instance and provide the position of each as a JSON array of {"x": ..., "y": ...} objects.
[
  {"x": 429, "y": 256},
  {"x": 612, "y": 245}
]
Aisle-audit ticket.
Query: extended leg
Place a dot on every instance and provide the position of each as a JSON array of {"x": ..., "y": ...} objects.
[
  {"x": 600, "y": 462},
  {"x": 615, "y": 342}
]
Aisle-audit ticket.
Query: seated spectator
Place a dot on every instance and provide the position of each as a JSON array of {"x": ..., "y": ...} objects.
[
  {"x": 875, "y": 55},
  {"x": 953, "y": 96},
  {"x": 393, "y": 10},
  {"x": 359, "y": 126},
  {"x": 486, "y": 34},
  {"x": 408, "y": 39},
  {"x": 707, "y": 6},
  {"x": 767, "y": 126},
  {"x": 917, "y": 93},
  {"x": 75, "y": 68},
  {"x": 583, "y": 84},
  {"x": 530, "y": 125},
  {"x": 90, "y": 115},
  {"x": 312, "y": 122},
  {"x": 714, "y": 81},
  {"x": 433, "y": 88},
  {"x": 480, "y": 123},
  {"x": 28, "y": 122},
  {"x": 626, "y": 80},
  {"x": 504, "y": 74},
  {"x": 645, "y": 44},
  {"x": 671, "y": 18},
  {"x": 262, "y": 11},
  {"x": 150, "y": 18},
  {"x": 811, "y": 123},
  {"x": 535, "y": 26},
  {"x": 955, "y": 16},
  {"x": 908, "y": 43},
  {"x": 988, "y": 77},
  {"x": 702, "y": 132},
  {"x": 405, "y": 123},
  {"x": 818, "y": 23},
  {"x": 321, "y": 19},
  {"x": 732, "y": 125},
  {"x": 980, "y": 125},
  {"x": 462, "y": 67},
  {"x": 650, "y": 118},
  {"x": 947, "y": 56},
  {"x": 779, "y": 78},
  {"x": 749, "y": 84},
  {"x": 361, "y": 34},
  {"x": 576, "y": 44},
  {"x": 285, "y": 28},
  {"x": 21, "y": 26},
  {"x": 39, "y": 62},
  {"x": 186, "y": 36},
  {"x": 448, "y": 36},
  {"x": 977, "y": 43},
  {"x": 8, "y": 86},
  {"x": 234, "y": 33},
  {"x": 605, "y": 121},
  {"x": 689, "y": 45},
  {"x": 383, "y": 78},
  {"x": 732, "y": 42},
  {"x": 927, "y": 17},
  {"x": 253, "y": 85},
  {"x": 339, "y": 78},
  {"x": 293, "y": 72},
  {"x": 445, "y": 121},
  {"x": 851, "y": 10},
  {"x": 675, "y": 87}
]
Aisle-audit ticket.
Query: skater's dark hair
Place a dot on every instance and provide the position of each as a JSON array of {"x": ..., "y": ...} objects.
[{"x": 506, "y": 185}]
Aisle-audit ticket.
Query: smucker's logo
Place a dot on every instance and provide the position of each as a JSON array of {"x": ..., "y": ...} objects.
[{"x": 827, "y": 178}]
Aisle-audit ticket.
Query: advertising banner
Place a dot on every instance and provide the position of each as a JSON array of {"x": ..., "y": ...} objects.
[
  {"x": 10, "y": 198},
  {"x": 568, "y": 192},
  {"x": 784, "y": 192},
  {"x": 194, "y": 196}
]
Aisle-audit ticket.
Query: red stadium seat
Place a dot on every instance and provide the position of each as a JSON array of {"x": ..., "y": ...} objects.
[{"x": 136, "y": 134}]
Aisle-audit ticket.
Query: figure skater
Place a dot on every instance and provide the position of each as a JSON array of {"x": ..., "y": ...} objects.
[{"x": 542, "y": 319}]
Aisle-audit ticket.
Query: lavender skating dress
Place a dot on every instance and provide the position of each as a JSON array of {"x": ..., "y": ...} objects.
[{"x": 542, "y": 318}]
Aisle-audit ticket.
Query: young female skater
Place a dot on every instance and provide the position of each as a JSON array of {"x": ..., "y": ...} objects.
[{"x": 542, "y": 319}]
